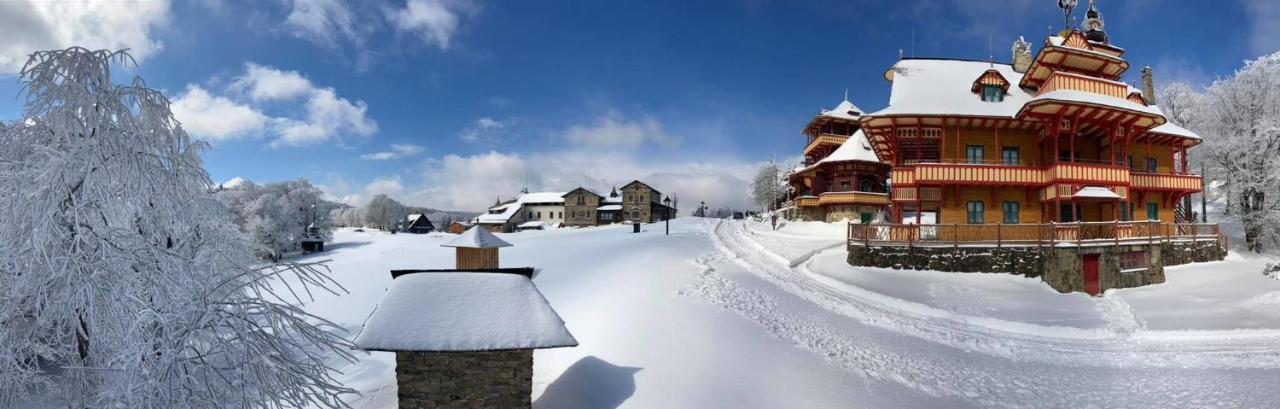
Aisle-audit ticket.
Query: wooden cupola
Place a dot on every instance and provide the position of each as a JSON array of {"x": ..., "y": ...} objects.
[{"x": 476, "y": 248}]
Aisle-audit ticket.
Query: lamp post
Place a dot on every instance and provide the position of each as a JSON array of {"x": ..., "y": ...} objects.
[{"x": 667, "y": 214}]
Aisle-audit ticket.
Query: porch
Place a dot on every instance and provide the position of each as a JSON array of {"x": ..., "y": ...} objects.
[{"x": 1030, "y": 235}]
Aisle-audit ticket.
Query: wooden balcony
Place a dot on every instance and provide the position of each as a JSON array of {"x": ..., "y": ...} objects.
[
  {"x": 806, "y": 201},
  {"x": 1166, "y": 182},
  {"x": 911, "y": 194},
  {"x": 1060, "y": 80},
  {"x": 1033, "y": 235},
  {"x": 983, "y": 174},
  {"x": 824, "y": 139},
  {"x": 853, "y": 198},
  {"x": 1067, "y": 172}
]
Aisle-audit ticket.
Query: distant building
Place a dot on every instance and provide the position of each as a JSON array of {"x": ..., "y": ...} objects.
[
  {"x": 547, "y": 207},
  {"x": 610, "y": 209},
  {"x": 642, "y": 203},
  {"x": 458, "y": 227},
  {"x": 416, "y": 223},
  {"x": 581, "y": 206}
]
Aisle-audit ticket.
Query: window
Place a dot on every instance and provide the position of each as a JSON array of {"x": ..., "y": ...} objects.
[
  {"x": 844, "y": 186},
  {"x": 1129, "y": 160},
  {"x": 1125, "y": 214},
  {"x": 1133, "y": 260},
  {"x": 866, "y": 186},
  {"x": 1010, "y": 155},
  {"x": 1153, "y": 211},
  {"x": 973, "y": 154},
  {"x": 582, "y": 200},
  {"x": 530, "y": 215},
  {"x": 975, "y": 212},
  {"x": 992, "y": 93},
  {"x": 539, "y": 215},
  {"x": 1011, "y": 213},
  {"x": 1151, "y": 165},
  {"x": 559, "y": 215}
]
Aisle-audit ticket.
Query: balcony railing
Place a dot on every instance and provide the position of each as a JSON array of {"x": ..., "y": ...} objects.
[
  {"x": 1161, "y": 181},
  {"x": 824, "y": 139},
  {"x": 1060, "y": 80},
  {"x": 1034, "y": 235},
  {"x": 853, "y": 197},
  {"x": 806, "y": 201}
]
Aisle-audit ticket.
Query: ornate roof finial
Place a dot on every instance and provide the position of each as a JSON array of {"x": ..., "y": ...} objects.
[
  {"x": 1067, "y": 6},
  {"x": 1093, "y": 24},
  {"x": 846, "y": 94}
]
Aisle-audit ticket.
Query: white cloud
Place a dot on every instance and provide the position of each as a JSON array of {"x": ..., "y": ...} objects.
[
  {"x": 1264, "y": 25},
  {"x": 267, "y": 83},
  {"x": 215, "y": 118},
  {"x": 435, "y": 22},
  {"x": 397, "y": 151},
  {"x": 610, "y": 132},
  {"x": 233, "y": 182},
  {"x": 322, "y": 116},
  {"x": 489, "y": 131},
  {"x": 324, "y": 22},
  {"x": 388, "y": 185},
  {"x": 28, "y": 26}
]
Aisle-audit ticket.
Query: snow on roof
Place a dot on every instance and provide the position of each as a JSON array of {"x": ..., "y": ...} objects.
[
  {"x": 857, "y": 147},
  {"x": 1169, "y": 128},
  {"x": 463, "y": 311},
  {"x": 942, "y": 87},
  {"x": 510, "y": 209},
  {"x": 536, "y": 224},
  {"x": 413, "y": 217},
  {"x": 612, "y": 199},
  {"x": 1096, "y": 192},
  {"x": 1097, "y": 99},
  {"x": 476, "y": 237},
  {"x": 844, "y": 110},
  {"x": 611, "y": 207}
]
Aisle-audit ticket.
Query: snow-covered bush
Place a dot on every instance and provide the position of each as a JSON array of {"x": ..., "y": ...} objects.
[
  {"x": 276, "y": 215},
  {"x": 123, "y": 282}
]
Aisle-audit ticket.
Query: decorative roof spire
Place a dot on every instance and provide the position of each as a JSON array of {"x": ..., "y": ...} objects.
[
  {"x": 846, "y": 94},
  {"x": 1093, "y": 24},
  {"x": 1067, "y": 6}
]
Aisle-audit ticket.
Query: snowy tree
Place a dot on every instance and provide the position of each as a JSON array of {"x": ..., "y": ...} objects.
[
  {"x": 765, "y": 187},
  {"x": 276, "y": 215},
  {"x": 123, "y": 283},
  {"x": 1239, "y": 118},
  {"x": 383, "y": 212}
]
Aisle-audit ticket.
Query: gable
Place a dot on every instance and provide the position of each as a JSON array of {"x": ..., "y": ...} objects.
[
  {"x": 1077, "y": 39},
  {"x": 990, "y": 77},
  {"x": 1137, "y": 98},
  {"x": 636, "y": 184},
  {"x": 582, "y": 191}
]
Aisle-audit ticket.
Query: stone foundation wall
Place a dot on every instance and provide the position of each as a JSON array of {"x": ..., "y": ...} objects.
[
  {"x": 1184, "y": 252},
  {"x": 1062, "y": 268},
  {"x": 501, "y": 379},
  {"x": 1017, "y": 260}
]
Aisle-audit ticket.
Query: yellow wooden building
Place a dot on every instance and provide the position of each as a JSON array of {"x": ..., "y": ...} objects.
[{"x": 842, "y": 178}]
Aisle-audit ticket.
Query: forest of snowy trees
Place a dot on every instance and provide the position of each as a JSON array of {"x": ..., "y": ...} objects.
[
  {"x": 276, "y": 215},
  {"x": 1239, "y": 119},
  {"x": 123, "y": 282}
]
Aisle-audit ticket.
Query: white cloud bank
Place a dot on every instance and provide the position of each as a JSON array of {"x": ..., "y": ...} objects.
[
  {"x": 28, "y": 26},
  {"x": 308, "y": 113}
]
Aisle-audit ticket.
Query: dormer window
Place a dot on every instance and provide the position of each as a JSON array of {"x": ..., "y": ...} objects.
[
  {"x": 990, "y": 86},
  {"x": 992, "y": 93}
]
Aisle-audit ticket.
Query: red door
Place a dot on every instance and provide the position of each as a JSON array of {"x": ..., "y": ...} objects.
[{"x": 1091, "y": 274}]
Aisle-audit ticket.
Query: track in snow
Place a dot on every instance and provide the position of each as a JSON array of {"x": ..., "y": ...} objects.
[{"x": 985, "y": 361}]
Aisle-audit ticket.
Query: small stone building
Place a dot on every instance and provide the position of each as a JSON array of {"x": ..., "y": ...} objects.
[
  {"x": 642, "y": 203},
  {"x": 464, "y": 338},
  {"x": 580, "y": 206}
]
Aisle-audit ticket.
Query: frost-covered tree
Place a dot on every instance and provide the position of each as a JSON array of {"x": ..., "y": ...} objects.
[
  {"x": 383, "y": 212},
  {"x": 276, "y": 215},
  {"x": 1239, "y": 118},
  {"x": 766, "y": 186},
  {"x": 123, "y": 283}
]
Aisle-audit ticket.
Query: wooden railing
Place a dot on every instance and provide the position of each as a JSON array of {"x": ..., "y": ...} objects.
[
  {"x": 1049, "y": 234},
  {"x": 824, "y": 139},
  {"x": 1060, "y": 80},
  {"x": 806, "y": 201},
  {"x": 853, "y": 197}
]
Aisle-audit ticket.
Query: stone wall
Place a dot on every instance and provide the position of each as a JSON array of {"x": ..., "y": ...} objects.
[
  {"x": 1183, "y": 252},
  {"x": 1064, "y": 267},
  {"x": 500, "y": 379},
  {"x": 1025, "y": 261}
]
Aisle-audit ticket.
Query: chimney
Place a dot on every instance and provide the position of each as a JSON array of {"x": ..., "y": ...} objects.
[
  {"x": 1148, "y": 87},
  {"x": 476, "y": 249},
  {"x": 1021, "y": 55}
]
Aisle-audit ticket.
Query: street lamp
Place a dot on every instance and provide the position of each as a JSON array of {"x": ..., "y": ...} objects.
[
  {"x": 702, "y": 209},
  {"x": 667, "y": 213}
]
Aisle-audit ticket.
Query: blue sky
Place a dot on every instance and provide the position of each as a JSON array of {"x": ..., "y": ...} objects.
[{"x": 451, "y": 103}]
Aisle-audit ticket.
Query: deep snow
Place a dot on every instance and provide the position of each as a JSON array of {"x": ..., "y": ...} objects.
[{"x": 731, "y": 314}]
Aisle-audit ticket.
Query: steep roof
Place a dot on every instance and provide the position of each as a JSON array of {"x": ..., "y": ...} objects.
[
  {"x": 942, "y": 87},
  {"x": 857, "y": 147},
  {"x": 476, "y": 237},
  {"x": 637, "y": 182},
  {"x": 843, "y": 110},
  {"x": 583, "y": 189},
  {"x": 463, "y": 311}
]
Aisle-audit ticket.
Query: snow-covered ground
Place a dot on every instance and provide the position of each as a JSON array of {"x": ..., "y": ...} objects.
[{"x": 731, "y": 314}]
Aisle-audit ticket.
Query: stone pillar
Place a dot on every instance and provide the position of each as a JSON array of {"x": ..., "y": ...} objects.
[
  {"x": 1148, "y": 86},
  {"x": 498, "y": 379}
]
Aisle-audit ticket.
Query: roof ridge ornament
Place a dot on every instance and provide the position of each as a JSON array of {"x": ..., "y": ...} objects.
[
  {"x": 1067, "y": 6},
  {"x": 1094, "y": 24}
]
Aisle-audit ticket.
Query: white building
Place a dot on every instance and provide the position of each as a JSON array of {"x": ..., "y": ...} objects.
[{"x": 545, "y": 207}]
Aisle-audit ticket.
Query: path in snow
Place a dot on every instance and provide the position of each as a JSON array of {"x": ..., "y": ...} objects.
[{"x": 981, "y": 360}]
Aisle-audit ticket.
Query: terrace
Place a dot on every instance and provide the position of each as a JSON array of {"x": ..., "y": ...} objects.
[{"x": 1030, "y": 235}]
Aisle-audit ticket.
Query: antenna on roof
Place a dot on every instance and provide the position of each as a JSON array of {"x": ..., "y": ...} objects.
[
  {"x": 846, "y": 93},
  {"x": 991, "y": 56},
  {"x": 899, "y": 53},
  {"x": 913, "y": 43}
]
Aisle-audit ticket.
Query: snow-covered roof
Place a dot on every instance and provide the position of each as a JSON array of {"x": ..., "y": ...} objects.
[
  {"x": 412, "y": 217},
  {"x": 510, "y": 209},
  {"x": 612, "y": 207},
  {"x": 1169, "y": 128},
  {"x": 463, "y": 311},
  {"x": 843, "y": 110},
  {"x": 941, "y": 87},
  {"x": 1095, "y": 192},
  {"x": 1071, "y": 95},
  {"x": 611, "y": 199},
  {"x": 476, "y": 237},
  {"x": 857, "y": 147},
  {"x": 536, "y": 224}
]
